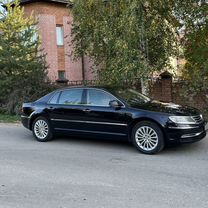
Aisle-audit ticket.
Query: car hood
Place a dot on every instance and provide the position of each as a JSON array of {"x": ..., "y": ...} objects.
[{"x": 169, "y": 108}]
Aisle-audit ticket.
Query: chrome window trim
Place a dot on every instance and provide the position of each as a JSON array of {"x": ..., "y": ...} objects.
[
  {"x": 85, "y": 88},
  {"x": 89, "y": 122},
  {"x": 106, "y": 93}
]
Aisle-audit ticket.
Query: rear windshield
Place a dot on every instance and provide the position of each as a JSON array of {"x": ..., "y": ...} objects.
[{"x": 45, "y": 98}]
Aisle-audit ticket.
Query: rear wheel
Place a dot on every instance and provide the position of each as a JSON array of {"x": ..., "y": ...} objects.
[
  {"x": 147, "y": 137},
  {"x": 42, "y": 130}
]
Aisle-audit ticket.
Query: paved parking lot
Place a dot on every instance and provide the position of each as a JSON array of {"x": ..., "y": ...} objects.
[{"x": 76, "y": 173}]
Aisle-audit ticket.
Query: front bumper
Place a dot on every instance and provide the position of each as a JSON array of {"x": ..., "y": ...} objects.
[{"x": 188, "y": 134}]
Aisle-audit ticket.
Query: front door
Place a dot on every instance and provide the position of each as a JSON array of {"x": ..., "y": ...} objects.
[{"x": 100, "y": 117}]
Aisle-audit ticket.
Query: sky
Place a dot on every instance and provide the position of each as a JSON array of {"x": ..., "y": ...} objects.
[
  {"x": 4, "y": 2},
  {"x": 1, "y": 8}
]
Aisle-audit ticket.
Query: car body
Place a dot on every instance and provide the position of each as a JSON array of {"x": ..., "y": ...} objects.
[{"x": 121, "y": 113}]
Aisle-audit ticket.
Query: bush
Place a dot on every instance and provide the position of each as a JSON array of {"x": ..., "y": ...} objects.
[
  {"x": 23, "y": 69},
  {"x": 19, "y": 96}
]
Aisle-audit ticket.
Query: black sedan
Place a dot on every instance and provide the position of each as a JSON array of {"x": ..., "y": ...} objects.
[{"x": 121, "y": 113}]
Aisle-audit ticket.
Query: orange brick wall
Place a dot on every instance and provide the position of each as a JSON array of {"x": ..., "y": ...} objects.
[
  {"x": 61, "y": 58},
  {"x": 47, "y": 23},
  {"x": 49, "y": 15},
  {"x": 165, "y": 90},
  {"x": 57, "y": 10},
  {"x": 75, "y": 72}
]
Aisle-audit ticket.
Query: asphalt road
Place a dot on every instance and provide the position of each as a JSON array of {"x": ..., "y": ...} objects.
[{"x": 77, "y": 173}]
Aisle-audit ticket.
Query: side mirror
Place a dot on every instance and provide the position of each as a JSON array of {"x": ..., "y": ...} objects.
[{"x": 115, "y": 104}]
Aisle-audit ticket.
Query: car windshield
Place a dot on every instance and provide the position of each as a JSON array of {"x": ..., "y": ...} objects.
[{"x": 131, "y": 96}]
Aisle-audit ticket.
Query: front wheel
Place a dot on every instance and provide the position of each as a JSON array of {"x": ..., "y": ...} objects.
[
  {"x": 41, "y": 129},
  {"x": 147, "y": 137}
]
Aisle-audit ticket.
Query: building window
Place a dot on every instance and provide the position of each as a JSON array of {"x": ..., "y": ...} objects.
[
  {"x": 60, "y": 35},
  {"x": 61, "y": 75}
]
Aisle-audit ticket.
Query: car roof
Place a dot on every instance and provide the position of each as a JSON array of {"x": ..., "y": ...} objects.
[
  {"x": 107, "y": 88},
  {"x": 84, "y": 87}
]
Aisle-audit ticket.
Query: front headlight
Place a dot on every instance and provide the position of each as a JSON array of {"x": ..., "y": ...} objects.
[{"x": 182, "y": 119}]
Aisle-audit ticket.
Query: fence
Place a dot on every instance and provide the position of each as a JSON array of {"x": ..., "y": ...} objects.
[
  {"x": 163, "y": 89},
  {"x": 166, "y": 90}
]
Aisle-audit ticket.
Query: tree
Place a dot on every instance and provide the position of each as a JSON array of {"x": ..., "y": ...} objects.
[
  {"x": 23, "y": 70},
  {"x": 195, "y": 43},
  {"x": 127, "y": 39}
]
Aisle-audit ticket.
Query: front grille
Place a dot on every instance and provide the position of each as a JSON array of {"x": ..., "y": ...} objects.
[{"x": 198, "y": 119}]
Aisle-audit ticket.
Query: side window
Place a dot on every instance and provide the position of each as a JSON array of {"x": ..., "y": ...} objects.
[
  {"x": 98, "y": 98},
  {"x": 61, "y": 75},
  {"x": 71, "y": 97},
  {"x": 54, "y": 99}
]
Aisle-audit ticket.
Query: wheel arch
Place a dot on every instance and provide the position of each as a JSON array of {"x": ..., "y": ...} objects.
[
  {"x": 145, "y": 119},
  {"x": 34, "y": 116}
]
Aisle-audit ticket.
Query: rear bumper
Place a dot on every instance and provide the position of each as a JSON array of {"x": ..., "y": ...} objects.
[
  {"x": 25, "y": 121},
  {"x": 186, "y": 135}
]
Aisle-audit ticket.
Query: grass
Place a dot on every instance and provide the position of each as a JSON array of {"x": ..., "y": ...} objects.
[{"x": 4, "y": 118}]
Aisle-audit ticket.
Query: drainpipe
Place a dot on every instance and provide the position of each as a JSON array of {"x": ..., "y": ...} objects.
[
  {"x": 83, "y": 69},
  {"x": 83, "y": 66}
]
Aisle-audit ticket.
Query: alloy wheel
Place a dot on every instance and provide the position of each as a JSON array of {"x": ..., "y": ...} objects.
[
  {"x": 146, "y": 138},
  {"x": 41, "y": 129}
]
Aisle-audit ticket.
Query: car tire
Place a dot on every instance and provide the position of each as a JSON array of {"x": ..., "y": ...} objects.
[
  {"x": 147, "y": 137},
  {"x": 41, "y": 129}
]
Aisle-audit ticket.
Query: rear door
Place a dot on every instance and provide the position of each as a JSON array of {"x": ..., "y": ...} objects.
[{"x": 67, "y": 110}]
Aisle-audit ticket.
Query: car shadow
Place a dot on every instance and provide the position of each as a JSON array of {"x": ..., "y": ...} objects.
[
  {"x": 184, "y": 149},
  {"x": 121, "y": 145},
  {"x": 94, "y": 142}
]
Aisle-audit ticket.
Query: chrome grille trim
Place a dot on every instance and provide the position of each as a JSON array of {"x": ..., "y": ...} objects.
[
  {"x": 191, "y": 135},
  {"x": 198, "y": 119}
]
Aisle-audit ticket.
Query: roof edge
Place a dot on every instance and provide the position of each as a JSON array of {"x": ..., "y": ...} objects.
[{"x": 66, "y": 2}]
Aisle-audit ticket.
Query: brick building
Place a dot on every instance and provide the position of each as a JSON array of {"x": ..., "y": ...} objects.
[{"x": 54, "y": 25}]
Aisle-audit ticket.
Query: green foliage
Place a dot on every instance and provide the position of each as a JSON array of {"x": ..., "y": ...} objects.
[
  {"x": 23, "y": 70},
  {"x": 5, "y": 118},
  {"x": 127, "y": 39},
  {"x": 195, "y": 43}
]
